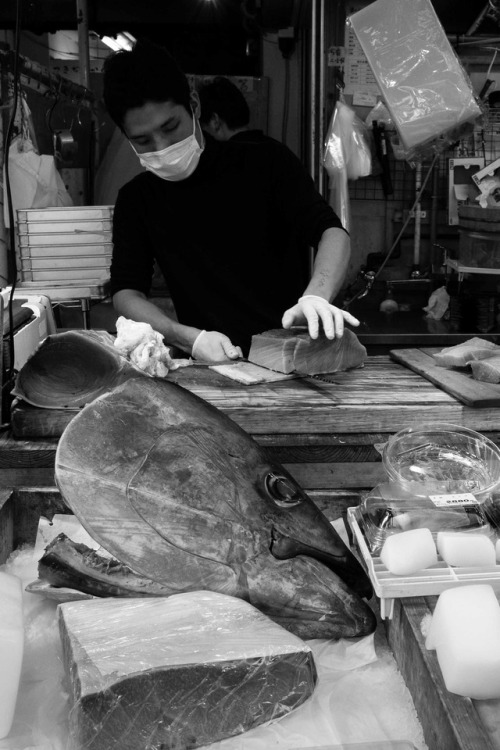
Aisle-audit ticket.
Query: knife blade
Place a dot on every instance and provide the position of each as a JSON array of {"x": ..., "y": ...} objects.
[{"x": 201, "y": 363}]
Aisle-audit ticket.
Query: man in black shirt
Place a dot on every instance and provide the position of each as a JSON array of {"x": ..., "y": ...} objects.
[
  {"x": 228, "y": 223},
  {"x": 224, "y": 111}
]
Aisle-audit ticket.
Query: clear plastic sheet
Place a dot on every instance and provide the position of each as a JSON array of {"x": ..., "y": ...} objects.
[
  {"x": 177, "y": 672},
  {"x": 360, "y": 695},
  {"x": 422, "y": 81}
]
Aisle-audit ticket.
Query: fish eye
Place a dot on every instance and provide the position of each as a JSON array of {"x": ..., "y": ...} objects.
[{"x": 282, "y": 491}]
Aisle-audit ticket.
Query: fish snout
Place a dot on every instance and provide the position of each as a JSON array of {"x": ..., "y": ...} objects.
[{"x": 339, "y": 560}]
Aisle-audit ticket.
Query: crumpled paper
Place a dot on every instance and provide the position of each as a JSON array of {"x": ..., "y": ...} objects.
[
  {"x": 144, "y": 347},
  {"x": 438, "y": 303}
]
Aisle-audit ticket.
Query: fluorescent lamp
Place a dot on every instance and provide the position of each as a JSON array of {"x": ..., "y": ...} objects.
[
  {"x": 123, "y": 40},
  {"x": 110, "y": 42}
]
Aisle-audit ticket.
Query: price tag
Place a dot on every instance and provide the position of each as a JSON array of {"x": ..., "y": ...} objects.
[{"x": 459, "y": 498}]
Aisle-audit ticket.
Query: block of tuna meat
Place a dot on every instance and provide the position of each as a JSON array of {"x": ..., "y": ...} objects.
[
  {"x": 487, "y": 370},
  {"x": 177, "y": 672},
  {"x": 295, "y": 351},
  {"x": 461, "y": 354}
]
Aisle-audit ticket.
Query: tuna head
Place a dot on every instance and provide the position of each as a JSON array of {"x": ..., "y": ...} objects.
[{"x": 177, "y": 491}]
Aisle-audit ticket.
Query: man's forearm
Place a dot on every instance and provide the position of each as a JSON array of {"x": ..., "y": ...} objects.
[
  {"x": 135, "y": 306},
  {"x": 330, "y": 265}
]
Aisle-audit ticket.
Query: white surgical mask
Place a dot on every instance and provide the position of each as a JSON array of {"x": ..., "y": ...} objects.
[{"x": 176, "y": 162}]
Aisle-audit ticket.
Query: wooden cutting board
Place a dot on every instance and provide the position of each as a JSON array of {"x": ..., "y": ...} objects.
[
  {"x": 457, "y": 383},
  {"x": 29, "y": 421}
]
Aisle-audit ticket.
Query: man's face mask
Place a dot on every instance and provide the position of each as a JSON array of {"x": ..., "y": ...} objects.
[{"x": 176, "y": 162}]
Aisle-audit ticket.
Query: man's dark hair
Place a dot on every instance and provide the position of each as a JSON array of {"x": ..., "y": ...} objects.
[
  {"x": 147, "y": 73},
  {"x": 221, "y": 96}
]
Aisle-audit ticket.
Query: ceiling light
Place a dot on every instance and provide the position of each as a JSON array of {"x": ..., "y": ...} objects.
[{"x": 122, "y": 40}]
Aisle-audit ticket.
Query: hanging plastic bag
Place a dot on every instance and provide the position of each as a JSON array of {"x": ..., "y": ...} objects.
[
  {"x": 423, "y": 83},
  {"x": 34, "y": 179},
  {"x": 348, "y": 143},
  {"x": 347, "y": 156}
]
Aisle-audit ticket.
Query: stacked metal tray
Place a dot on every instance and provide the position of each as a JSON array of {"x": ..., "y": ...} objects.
[{"x": 65, "y": 245}]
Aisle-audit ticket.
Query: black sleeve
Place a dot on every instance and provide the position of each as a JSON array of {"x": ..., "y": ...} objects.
[
  {"x": 297, "y": 198},
  {"x": 132, "y": 262}
]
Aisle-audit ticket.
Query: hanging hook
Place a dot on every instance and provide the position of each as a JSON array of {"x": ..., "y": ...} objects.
[{"x": 50, "y": 111}]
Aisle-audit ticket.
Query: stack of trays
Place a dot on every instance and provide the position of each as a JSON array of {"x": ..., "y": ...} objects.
[{"x": 60, "y": 246}]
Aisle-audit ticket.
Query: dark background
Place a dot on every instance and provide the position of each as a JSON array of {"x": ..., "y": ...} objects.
[{"x": 207, "y": 35}]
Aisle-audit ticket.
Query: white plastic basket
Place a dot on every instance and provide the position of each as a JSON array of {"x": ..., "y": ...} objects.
[{"x": 429, "y": 582}]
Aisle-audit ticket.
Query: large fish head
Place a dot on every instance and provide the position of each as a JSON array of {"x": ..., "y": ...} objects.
[
  {"x": 296, "y": 526},
  {"x": 176, "y": 490},
  {"x": 308, "y": 599}
]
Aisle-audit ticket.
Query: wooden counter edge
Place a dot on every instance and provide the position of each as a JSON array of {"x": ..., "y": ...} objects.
[{"x": 449, "y": 721}]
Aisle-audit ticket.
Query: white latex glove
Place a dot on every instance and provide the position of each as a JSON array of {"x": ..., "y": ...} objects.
[
  {"x": 212, "y": 346},
  {"x": 311, "y": 309}
]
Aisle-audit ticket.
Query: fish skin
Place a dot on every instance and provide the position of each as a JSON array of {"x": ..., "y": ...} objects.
[
  {"x": 76, "y": 566},
  {"x": 176, "y": 490},
  {"x": 70, "y": 369}
]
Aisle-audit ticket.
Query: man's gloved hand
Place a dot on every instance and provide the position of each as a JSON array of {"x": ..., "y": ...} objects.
[
  {"x": 311, "y": 309},
  {"x": 212, "y": 346}
]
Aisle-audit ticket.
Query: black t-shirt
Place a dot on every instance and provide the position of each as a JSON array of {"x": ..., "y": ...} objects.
[{"x": 231, "y": 240}]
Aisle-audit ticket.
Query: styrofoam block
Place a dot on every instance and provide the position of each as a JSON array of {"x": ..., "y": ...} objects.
[
  {"x": 465, "y": 632},
  {"x": 11, "y": 647},
  {"x": 409, "y": 552},
  {"x": 463, "y": 549}
]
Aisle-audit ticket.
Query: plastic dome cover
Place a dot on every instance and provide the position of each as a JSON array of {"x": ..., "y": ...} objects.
[{"x": 440, "y": 457}]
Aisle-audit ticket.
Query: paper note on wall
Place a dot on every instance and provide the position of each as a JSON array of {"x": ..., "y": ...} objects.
[
  {"x": 421, "y": 79},
  {"x": 358, "y": 75}
]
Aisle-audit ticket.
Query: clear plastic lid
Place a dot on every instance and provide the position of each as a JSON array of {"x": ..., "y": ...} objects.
[
  {"x": 391, "y": 508},
  {"x": 444, "y": 458}
]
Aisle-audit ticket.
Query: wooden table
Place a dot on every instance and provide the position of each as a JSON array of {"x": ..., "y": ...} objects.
[{"x": 326, "y": 434}]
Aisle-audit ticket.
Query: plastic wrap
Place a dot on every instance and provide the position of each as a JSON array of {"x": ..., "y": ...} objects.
[
  {"x": 391, "y": 509},
  {"x": 330, "y": 717},
  {"x": 422, "y": 81},
  {"x": 443, "y": 458},
  {"x": 177, "y": 672},
  {"x": 335, "y": 163}
]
